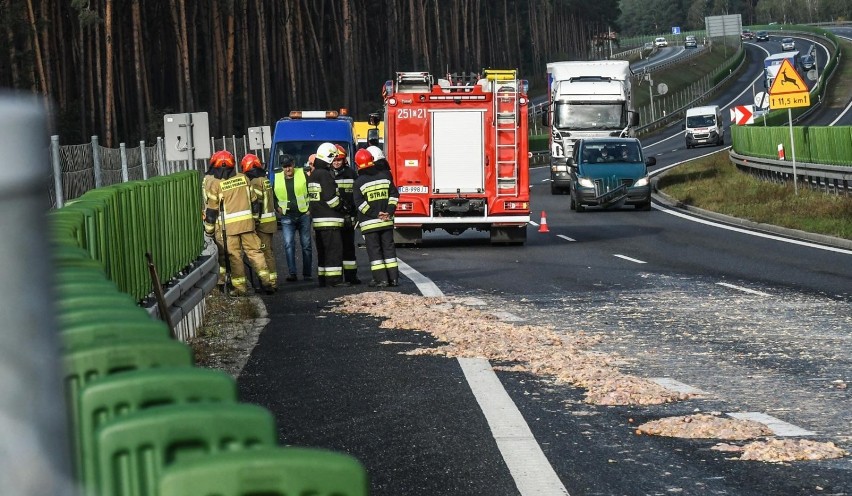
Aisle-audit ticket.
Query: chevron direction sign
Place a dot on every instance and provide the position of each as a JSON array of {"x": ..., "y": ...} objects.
[{"x": 742, "y": 115}]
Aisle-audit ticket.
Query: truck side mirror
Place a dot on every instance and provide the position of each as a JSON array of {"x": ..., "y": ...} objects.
[
  {"x": 571, "y": 162},
  {"x": 683, "y": 127},
  {"x": 374, "y": 119},
  {"x": 634, "y": 118},
  {"x": 544, "y": 117},
  {"x": 373, "y": 137}
]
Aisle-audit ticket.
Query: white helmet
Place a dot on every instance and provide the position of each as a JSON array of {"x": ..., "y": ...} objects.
[
  {"x": 376, "y": 152},
  {"x": 327, "y": 152}
]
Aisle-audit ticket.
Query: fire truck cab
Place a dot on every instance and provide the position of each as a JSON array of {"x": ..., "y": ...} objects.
[{"x": 459, "y": 154}]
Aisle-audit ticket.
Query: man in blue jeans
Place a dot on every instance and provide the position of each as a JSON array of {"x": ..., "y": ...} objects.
[{"x": 291, "y": 199}]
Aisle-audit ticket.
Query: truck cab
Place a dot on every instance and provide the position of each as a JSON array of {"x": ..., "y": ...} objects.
[
  {"x": 302, "y": 132},
  {"x": 704, "y": 126}
]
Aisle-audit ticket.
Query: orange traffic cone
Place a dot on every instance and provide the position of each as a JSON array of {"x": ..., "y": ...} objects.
[{"x": 542, "y": 228}]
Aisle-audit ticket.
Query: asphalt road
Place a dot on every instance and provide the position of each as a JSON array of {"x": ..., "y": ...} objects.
[{"x": 759, "y": 323}]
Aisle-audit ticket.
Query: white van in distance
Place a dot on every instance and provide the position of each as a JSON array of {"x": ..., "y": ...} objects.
[{"x": 704, "y": 126}]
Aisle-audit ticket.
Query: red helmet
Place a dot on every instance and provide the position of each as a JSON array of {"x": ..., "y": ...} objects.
[
  {"x": 341, "y": 152},
  {"x": 222, "y": 158},
  {"x": 249, "y": 162},
  {"x": 363, "y": 159}
]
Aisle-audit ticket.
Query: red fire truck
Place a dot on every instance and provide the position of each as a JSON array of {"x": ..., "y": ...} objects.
[{"x": 459, "y": 154}]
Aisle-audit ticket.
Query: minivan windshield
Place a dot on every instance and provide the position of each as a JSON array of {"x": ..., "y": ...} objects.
[
  {"x": 701, "y": 121},
  {"x": 608, "y": 152}
]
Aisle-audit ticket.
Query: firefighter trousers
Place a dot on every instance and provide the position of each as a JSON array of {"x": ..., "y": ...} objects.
[
  {"x": 350, "y": 264},
  {"x": 329, "y": 256},
  {"x": 382, "y": 253},
  {"x": 249, "y": 244},
  {"x": 269, "y": 256}
]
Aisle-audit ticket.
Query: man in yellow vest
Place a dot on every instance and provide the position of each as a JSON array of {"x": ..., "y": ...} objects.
[
  {"x": 265, "y": 226},
  {"x": 291, "y": 199},
  {"x": 232, "y": 199}
]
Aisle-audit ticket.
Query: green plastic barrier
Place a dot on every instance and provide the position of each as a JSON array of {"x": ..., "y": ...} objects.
[
  {"x": 92, "y": 333},
  {"x": 95, "y": 300},
  {"x": 270, "y": 472},
  {"x": 121, "y": 394},
  {"x": 71, "y": 316},
  {"x": 86, "y": 364},
  {"x": 134, "y": 449}
]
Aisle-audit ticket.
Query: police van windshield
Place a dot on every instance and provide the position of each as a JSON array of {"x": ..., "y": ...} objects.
[
  {"x": 589, "y": 116},
  {"x": 301, "y": 150}
]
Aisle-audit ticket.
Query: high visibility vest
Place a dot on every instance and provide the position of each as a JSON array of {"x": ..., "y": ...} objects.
[{"x": 300, "y": 186}]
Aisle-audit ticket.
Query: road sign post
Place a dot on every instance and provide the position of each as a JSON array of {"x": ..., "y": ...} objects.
[{"x": 789, "y": 90}]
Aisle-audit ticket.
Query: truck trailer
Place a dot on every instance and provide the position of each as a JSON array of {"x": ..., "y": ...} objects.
[
  {"x": 586, "y": 99},
  {"x": 459, "y": 154}
]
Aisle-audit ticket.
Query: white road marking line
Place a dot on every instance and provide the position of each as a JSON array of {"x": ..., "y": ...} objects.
[
  {"x": 745, "y": 290},
  {"x": 533, "y": 474},
  {"x": 676, "y": 386},
  {"x": 566, "y": 238},
  {"x": 625, "y": 257},
  {"x": 534, "y": 223},
  {"x": 423, "y": 283},
  {"x": 778, "y": 427},
  {"x": 506, "y": 316}
]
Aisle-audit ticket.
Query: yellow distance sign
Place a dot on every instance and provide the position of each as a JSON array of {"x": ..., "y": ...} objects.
[
  {"x": 788, "y": 89},
  {"x": 791, "y": 100}
]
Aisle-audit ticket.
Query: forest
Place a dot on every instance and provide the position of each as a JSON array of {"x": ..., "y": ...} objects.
[{"x": 113, "y": 68}]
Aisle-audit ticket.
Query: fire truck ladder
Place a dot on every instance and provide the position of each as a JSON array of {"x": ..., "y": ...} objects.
[{"x": 504, "y": 86}]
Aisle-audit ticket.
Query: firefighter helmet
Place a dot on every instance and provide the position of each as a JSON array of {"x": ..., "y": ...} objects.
[
  {"x": 363, "y": 159},
  {"x": 376, "y": 152},
  {"x": 327, "y": 152},
  {"x": 222, "y": 158},
  {"x": 249, "y": 162},
  {"x": 311, "y": 159},
  {"x": 341, "y": 152}
]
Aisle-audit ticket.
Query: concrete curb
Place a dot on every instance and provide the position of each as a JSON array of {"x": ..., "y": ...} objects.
[{"x": 821, "y": 239}]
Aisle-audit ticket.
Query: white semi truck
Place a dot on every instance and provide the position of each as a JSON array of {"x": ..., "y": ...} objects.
[{"x": 587, "y": 99}]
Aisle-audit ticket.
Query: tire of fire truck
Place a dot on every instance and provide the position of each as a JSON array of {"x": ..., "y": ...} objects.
[
  {"x": 508, "y": 235},
  {"x": 403, "y": 236}
]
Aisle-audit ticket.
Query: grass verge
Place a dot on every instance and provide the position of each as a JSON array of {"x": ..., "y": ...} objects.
[
  {"x": 224, "y": 318},
  {"x": 715, "y": 184}
]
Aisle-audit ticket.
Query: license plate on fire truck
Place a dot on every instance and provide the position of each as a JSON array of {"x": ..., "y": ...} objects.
[{"x": 413, "y": 189}]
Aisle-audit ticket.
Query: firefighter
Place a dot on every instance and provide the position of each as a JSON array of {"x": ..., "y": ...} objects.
[
  {"x": 375, "y": 198},
  {"x": 345, "y": 178},
  {"x": 266, "y": 225},
  {"x": 379, "y": 160},
  {"x": 291, "y": 197},
  {"x": 214, "y": 174},
  {"x": 327, "y": 218},
  {"x": 233, "y": 205}
]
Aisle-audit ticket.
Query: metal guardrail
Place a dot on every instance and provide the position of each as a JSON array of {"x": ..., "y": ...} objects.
[{"x": 835, "y": 179}]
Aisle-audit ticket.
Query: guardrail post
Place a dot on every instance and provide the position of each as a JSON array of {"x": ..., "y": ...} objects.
[
  {"x": 96, "y": 161},
  {"x": 144, "y": 160},
  {"x": 57, "y": 171},
  {"x": 33, "y": 432},
  {"x": 123, "y": 153}
]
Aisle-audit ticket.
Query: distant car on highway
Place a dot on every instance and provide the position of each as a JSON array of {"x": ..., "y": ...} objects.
[
  {"x": 747, "y": 35},
  {"x": 787, "y": 44},
  {"x": 660, "y": 42},
  {"x": 690, "y": 42},
  {"x": 761, "y": 36},
  {"x": 808, "y": 62}
]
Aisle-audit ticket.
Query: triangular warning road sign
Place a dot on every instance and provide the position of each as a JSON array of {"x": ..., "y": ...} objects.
[{"x": 787, "y": 80}]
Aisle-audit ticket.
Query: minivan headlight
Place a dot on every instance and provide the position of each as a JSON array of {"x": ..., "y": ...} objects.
[
  {"x": 643, "y": 181},
  {"x": 586, "y": 182}
]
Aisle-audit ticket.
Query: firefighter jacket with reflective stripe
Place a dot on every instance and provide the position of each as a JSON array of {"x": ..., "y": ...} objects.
[
  {"x": 374, "y": 192},
  {"x": 210, "y": 184},
  {"x": 262, "y": 190},
  {"x": 237, "y": 199},
  {"x": 300, "y": 186},
  {"x": 345, "y": 179},
  {"x": 326, "y": 207}
]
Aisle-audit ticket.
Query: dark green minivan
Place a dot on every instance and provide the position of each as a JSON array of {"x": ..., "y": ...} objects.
[{"x": 609, "y": 173}]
